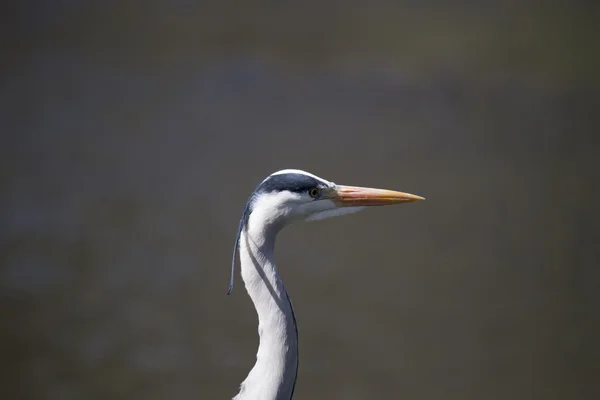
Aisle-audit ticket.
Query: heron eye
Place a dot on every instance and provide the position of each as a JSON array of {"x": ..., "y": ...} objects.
[{"x": 314, "y": 192}]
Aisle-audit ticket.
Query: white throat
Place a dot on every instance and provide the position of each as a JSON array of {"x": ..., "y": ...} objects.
[{"x": 273, "y": 377}]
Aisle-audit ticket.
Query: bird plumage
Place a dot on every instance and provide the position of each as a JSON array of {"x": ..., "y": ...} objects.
[{"x": 281, "y": 198}]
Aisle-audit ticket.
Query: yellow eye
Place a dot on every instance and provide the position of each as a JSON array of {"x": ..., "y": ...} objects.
[{"x": 314, "y": 192}]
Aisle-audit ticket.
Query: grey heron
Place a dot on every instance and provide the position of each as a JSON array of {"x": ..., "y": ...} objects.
[{"x": 283, "y": 197}]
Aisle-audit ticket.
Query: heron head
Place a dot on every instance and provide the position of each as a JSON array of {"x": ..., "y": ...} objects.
[{"x": 290, "y": 195}]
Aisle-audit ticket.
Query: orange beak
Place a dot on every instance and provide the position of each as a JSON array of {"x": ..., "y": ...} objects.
[{"x": 351, "y": 196}]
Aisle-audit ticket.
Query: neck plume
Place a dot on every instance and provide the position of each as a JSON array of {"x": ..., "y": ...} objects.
[{"x": 273, "y": 377}]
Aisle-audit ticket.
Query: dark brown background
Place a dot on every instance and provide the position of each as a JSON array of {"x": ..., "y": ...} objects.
[{"x": 132, "y": 134}]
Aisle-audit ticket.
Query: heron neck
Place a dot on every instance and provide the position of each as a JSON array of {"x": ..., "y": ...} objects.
[{"x": 273, "y": 377}]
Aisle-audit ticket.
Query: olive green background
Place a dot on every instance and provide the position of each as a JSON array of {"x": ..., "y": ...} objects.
[{"x": 132, "y": 134}]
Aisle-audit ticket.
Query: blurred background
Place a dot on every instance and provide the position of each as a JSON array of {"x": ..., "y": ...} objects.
[{"x": 132, "y": 134}]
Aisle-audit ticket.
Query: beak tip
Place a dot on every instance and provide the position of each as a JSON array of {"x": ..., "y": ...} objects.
[{"x": 414, "y": 197}]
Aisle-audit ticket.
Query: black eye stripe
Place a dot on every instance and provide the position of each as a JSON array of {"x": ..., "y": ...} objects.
[{"x": 297, "y": 183}]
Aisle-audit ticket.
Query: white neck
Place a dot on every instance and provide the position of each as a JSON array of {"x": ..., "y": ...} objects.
[{"x": 273, "y": 377}]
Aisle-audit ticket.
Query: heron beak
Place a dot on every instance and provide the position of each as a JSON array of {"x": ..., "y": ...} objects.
[{"x": 354, "y": 196}]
